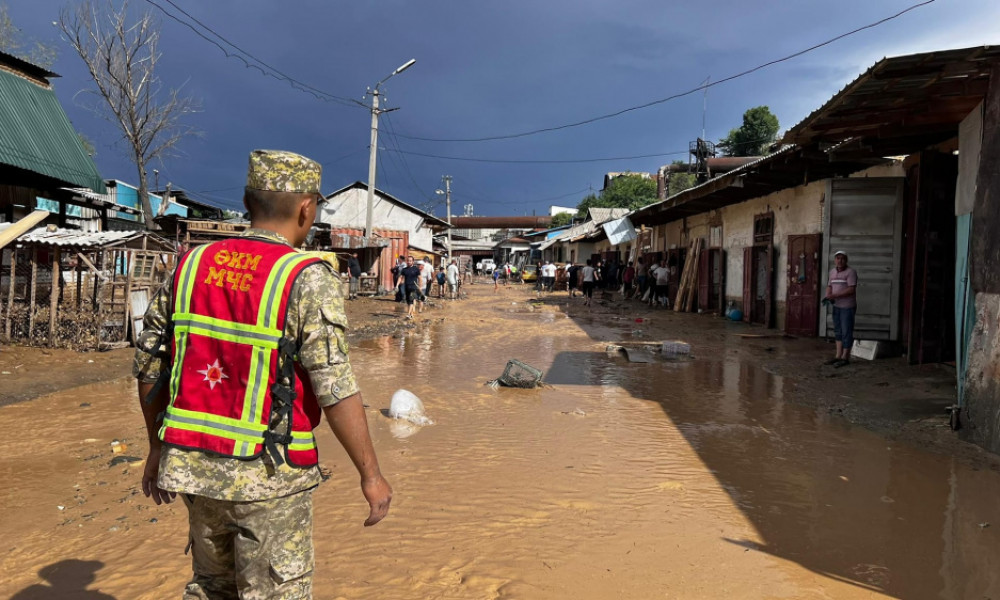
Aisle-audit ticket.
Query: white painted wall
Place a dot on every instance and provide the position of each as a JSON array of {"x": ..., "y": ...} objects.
[
  {"x": 349, "y": 209},
  {"x": 797, "y": 211}
]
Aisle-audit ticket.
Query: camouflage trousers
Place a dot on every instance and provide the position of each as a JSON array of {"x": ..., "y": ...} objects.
[{"x": 251, "y": 550}]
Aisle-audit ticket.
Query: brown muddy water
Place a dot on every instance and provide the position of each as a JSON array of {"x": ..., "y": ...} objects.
[{"x": 663, "y": 480}]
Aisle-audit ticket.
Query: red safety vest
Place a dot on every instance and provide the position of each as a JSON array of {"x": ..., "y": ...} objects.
[{"x": 234, "y": 374}]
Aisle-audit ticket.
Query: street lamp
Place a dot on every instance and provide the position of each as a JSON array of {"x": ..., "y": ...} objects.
[
  {"x": 446, "y": 192},
  {"x": 374, "y": 145}
]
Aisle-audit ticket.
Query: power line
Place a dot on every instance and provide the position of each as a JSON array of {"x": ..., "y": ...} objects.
[
  {"x": 678, "y": 95},
  {"x": 406, "y": 165},
  {"x": 536, "y": 162},
  {"x": 274, "y": 72}
]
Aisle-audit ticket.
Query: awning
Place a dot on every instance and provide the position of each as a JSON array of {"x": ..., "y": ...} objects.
[{"x": 902, "y": 104}]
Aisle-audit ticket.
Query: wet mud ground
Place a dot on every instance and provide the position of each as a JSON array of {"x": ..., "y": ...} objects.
[{"x": 738, "y": 474}]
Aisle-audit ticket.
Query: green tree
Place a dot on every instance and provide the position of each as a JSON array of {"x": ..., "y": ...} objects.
[
  {"x": 758, "y": 131},
  {"x": 12, "y": 41},
  {"x": 630, "y": 191},
  {"x": 680, "y": 180},
  {"x": 562, "y": 219}
]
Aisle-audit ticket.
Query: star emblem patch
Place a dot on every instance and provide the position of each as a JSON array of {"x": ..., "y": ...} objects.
[{"x": 213, "y": 374}]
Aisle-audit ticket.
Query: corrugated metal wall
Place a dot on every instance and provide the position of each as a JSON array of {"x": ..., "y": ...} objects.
[
  {"x": 380, "y": 260},
  {"x": 864, "y": 218}
]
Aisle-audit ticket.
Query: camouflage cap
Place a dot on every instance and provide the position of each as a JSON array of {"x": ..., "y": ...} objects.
[{"x": 280, "y": 171}]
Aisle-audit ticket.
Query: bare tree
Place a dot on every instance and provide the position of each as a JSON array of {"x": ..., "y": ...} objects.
[
  {"x": 121, "y": 55},
  {"x": 12, "y": 41}
]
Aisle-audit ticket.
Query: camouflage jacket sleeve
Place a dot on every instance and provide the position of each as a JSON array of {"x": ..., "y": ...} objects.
[
  {"x": 152, "y": 350},
  {"x": 316, "y": 318}
]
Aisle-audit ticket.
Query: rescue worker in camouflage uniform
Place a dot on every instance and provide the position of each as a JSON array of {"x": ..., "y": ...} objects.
[{"x": 249, "y": 494}]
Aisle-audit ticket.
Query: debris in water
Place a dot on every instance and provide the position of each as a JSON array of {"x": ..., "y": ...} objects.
[
  {"x": 675, "y": 348},
  {"x": 518, "y": 375},
  {"x": 984, "y": 525},
  {"x": 84, "y": 404},
  {"x": 406, "y": 406}
]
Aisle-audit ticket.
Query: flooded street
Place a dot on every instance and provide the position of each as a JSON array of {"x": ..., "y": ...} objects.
[{"x": 697, "y": 479}]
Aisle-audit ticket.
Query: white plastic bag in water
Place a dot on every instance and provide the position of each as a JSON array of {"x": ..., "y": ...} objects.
[{"x": 406, "y": 406}]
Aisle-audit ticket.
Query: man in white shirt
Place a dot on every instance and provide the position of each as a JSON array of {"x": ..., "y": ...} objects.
[
  {"x": 548, "y": 276},
  {"x": 661, "y": 274},
  {"x": 452, "y": 278},
  {"x": 590, "y": 278}
]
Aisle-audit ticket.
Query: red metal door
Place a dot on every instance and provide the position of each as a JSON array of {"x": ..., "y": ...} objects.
[
  {"x": 704, "y": 281},
  {"x": 748, "y": 296},
  {"x": 802, "y": 303}
]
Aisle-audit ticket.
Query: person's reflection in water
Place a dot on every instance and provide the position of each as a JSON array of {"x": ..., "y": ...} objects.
[{"x": 67, "y": 579}]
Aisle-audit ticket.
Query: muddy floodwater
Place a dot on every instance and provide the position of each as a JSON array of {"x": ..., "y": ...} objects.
[{"x": 695, "y": 479}]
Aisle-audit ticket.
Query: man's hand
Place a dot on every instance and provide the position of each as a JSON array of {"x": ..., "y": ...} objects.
[
  {"x": 378, "y": 494},
  {"x": 149, "y": 475}
]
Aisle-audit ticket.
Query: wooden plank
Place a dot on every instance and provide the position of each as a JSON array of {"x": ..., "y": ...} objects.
[
  {"x": 54, "y": 295},
  {"x": 693, "y": 279},
  {"x": 679, "y": 301},
  {"x": 91, "y": 266},
  {"x": 22, "y": 227}
]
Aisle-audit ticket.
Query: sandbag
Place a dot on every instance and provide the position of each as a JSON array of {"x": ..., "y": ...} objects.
[{"x": 406, "y": 406}]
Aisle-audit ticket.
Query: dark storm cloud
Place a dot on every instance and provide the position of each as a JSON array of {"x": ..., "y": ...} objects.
[{"x": 492, "y": 69}]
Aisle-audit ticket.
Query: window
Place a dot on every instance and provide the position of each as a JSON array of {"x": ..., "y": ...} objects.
[{"x": 763, "y": 229}]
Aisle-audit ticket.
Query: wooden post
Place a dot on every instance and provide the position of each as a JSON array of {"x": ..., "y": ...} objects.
[
  {"x": 79, "y": 285},
  {"x": 10, "y": 292},
  {"x": 97, "y": 283},
  {"x": 31, "y": 297},
  {"x": 128, "y": 294},
  {"x": 54, "y": 295}
]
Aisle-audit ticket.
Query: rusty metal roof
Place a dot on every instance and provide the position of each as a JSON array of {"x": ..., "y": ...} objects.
[
  {"x": 903, "y": 104},
  {"x": 500, "y": 222}
]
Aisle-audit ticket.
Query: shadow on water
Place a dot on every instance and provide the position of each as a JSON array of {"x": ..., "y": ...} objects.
[
  {"x": 65, "y": 580},
  {"x": 836, "y": 499}
]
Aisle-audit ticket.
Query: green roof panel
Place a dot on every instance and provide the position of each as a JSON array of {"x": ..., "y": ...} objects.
[{"x": 36, "y": 135}]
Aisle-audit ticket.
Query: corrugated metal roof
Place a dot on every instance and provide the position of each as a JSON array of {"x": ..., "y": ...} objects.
[
  {"x": 600, "y": 214},
  {"x": 36, "y": 135},
  {"x": 70, "y": 237},
  {"x": 904, "y": 97}
]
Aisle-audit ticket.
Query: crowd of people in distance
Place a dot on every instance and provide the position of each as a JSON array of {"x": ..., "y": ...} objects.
[
  {"x": 635, "y": 280},
  {"x": 415, "y": 279}
]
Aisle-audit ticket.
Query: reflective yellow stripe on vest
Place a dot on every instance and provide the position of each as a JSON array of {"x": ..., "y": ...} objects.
[{"x": 302, "y": 440}]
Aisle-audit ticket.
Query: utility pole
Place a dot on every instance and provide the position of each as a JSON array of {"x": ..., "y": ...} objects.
[
  {"x": 373, "y": 149},
  {"x": 446, "y": 192},
  {"x": 371, "y": 168}
]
